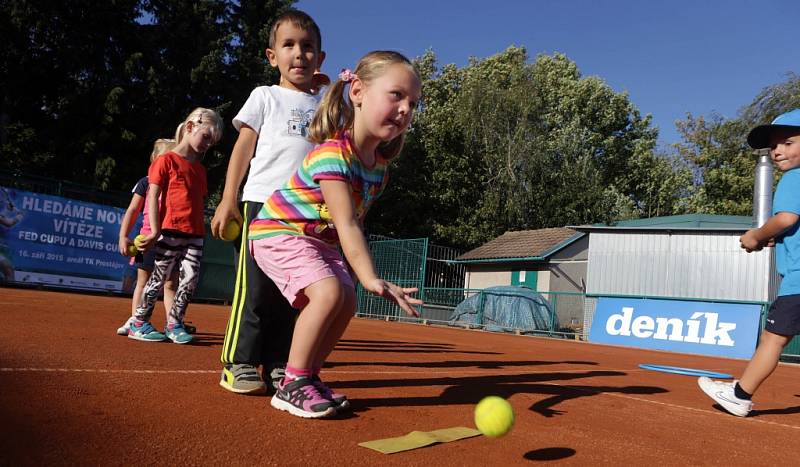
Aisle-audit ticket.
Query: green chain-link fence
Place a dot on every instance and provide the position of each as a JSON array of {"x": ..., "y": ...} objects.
[{"x": 399, "y": 261}]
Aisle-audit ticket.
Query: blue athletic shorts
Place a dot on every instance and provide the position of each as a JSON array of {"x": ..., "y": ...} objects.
[{"x": 784, "y": 316}]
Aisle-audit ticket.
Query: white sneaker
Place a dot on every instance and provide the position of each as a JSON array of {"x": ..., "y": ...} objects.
[
  {"x": 123, "y": 330},
  {"x": 724, "y": 395}
]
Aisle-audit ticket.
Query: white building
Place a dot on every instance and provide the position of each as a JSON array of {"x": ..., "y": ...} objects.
[{"x": 694, "y": 256}]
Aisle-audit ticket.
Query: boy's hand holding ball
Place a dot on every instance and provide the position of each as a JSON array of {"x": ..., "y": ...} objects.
[
  {"x": 227, "y": 221},
  {"x": 231, "y": 231}
]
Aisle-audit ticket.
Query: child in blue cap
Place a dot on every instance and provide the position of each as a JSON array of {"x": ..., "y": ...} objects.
[{"x": 782, "y": 137}]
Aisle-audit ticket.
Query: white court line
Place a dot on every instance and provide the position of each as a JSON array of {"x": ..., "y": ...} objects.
[
  {"x": 676, "y": 406},
  {"x": 330, "y": 372},
  {"x": 515, "y": 371},
  {"x": 100, "y": 370}
]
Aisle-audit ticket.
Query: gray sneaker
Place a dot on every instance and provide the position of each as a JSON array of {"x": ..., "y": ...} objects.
[
  {"x": 242, "y": 379},
  {"x": 723, "y": 394},
  {"x": 276, "y": 375}
]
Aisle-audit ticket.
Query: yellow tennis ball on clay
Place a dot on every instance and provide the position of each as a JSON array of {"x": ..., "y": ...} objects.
[
  {"x": 138, "y": 240},
  {"x": 494, "y": 416},
  {"x": 231, "y": 231},
  {"x": 131, "y": 251}
]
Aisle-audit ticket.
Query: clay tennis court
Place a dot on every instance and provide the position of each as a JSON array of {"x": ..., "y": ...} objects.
[{"x": 74, "y": 393}]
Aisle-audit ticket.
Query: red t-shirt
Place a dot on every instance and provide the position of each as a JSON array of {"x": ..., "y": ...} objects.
[{"x": 183, "y": 187}]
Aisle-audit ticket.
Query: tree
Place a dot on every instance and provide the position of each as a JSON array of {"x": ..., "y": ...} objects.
[
  {"x": 58, "y": 69},
  {"x": 91, "y": 84},
  {"x": 716, "y": 151},
  {"x": 503, "y": 144}
]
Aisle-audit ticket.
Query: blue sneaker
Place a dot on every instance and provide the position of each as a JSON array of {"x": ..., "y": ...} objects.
[
  {"x": 144, "y": 331},
  {"x": 177, "y": 333}
]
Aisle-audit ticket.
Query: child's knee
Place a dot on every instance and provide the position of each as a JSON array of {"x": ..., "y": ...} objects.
[{"x": 776, "y": 340}]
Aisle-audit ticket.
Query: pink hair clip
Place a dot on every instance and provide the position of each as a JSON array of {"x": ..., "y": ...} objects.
[{"x": 346, "y": 75}]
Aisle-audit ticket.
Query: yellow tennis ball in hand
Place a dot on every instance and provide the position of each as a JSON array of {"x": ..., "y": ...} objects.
[
  {"x": 231, "y": 231},
  {"x": 138, "y": 240},
  {"x": 494, "y": 416},
  {"x": 131, "y": 251}
]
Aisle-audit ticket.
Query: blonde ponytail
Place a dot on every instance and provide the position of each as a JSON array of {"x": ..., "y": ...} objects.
[{"x": 335, "y": 113}]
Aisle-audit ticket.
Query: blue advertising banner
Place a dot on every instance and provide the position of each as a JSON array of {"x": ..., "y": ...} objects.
[
  {"x": 720, "y": 329},
  {"x": 57, "y": 241}
]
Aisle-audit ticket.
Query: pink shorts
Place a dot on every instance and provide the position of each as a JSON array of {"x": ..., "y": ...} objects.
[{"x": 295, "y": 262}]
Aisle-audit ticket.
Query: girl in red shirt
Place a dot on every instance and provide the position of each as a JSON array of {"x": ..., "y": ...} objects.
[{"x": 175, "y": 202}]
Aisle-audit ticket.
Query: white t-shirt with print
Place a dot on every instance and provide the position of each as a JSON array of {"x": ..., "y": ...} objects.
[{"x": 281, "y": 118}]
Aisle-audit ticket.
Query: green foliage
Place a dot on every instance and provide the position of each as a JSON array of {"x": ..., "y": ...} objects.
[
  {"x": 503, "y": 144},
  {"x": 716, "y": 151},
  {"x": 89, "y": 85},
  {"x": 772, "y": 101}
]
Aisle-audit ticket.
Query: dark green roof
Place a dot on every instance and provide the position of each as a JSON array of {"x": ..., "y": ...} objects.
[{"x": 703, "y": 222}]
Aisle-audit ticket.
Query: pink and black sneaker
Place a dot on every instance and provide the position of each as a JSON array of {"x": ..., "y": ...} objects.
[
  {"x": 301, "y": 398},
  {"x": 339, "y": 400}
]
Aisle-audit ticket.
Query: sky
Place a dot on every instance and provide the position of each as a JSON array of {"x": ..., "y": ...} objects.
[{"x": 673, "y": 57}]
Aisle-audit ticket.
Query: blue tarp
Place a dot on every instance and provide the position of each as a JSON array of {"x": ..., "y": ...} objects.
[{"x": 505, "y": 308}]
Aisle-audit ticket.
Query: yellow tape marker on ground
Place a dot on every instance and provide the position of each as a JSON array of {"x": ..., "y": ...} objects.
[{"x": 418, "y": 439}]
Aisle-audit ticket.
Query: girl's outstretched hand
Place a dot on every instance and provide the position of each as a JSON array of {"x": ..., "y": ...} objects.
[{"x": 400, "y": 295}]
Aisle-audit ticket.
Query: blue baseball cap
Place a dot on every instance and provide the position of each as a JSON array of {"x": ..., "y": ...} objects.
[{"x": 759, "y": 136}]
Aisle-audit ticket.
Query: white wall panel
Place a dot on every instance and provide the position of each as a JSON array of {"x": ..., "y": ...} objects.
[{"x": 678, "y": 264}]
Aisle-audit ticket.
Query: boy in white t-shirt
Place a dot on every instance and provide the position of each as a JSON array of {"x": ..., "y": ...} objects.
[{"x": 272, "y": 124}]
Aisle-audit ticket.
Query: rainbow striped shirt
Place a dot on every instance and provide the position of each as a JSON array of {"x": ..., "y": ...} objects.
[{"x": 298, "y": 208}]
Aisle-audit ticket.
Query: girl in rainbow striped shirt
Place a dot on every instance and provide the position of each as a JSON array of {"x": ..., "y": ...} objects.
[{"x": 359, "y": 126}]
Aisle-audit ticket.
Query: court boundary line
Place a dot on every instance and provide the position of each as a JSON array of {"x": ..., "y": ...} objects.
[
  {"x": 327, "y": 371},
  {"x": 330, "y": 372},
  {"x": 676, "y": 406},
  {"x": 103, "y": 370}
]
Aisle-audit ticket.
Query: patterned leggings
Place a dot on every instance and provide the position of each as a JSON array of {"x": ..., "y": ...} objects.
[{"x": 171, "y": 250}]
